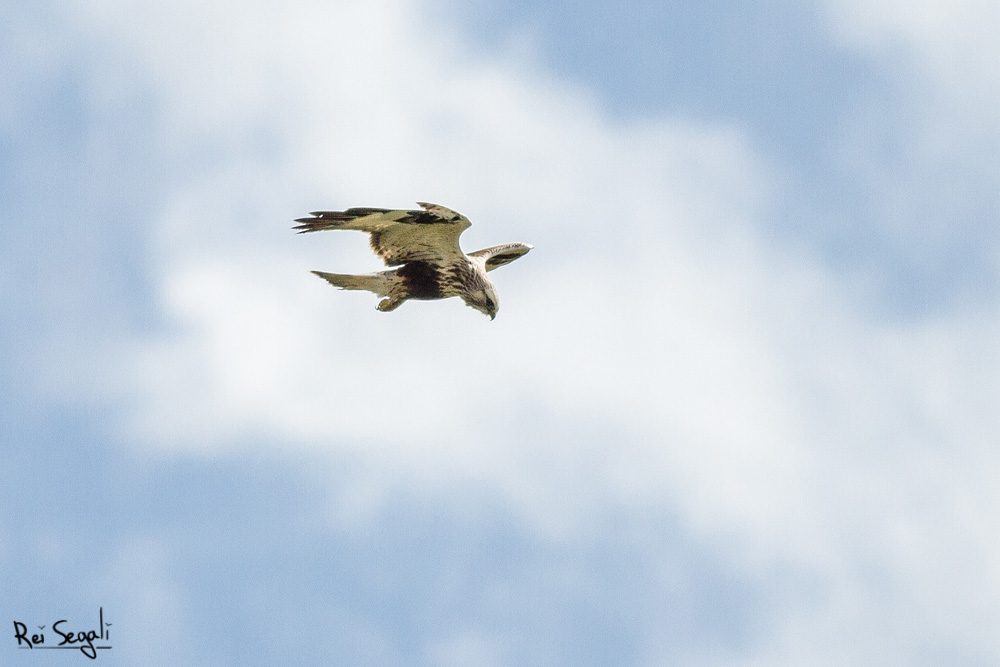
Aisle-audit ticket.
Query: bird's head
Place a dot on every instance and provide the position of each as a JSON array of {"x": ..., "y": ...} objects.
[{"x": 485, "y": 301}]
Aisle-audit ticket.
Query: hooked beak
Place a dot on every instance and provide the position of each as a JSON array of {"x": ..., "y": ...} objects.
[{"x": 493, "y": 316}]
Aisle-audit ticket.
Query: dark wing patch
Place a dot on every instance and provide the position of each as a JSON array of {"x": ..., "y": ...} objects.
[
  {"x": 501, "y": 258},
  {"x": 355, "y": 212},
  {"x": 499, "y": 255},
  {"x": 421, "y": 218}
]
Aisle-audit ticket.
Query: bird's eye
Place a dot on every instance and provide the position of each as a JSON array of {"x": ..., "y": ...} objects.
[{"x": 489, "y": 304}]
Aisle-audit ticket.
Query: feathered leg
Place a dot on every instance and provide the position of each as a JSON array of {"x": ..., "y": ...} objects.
[
  {"x": 390, "y": 303},
  {"x": 381, "y": 284}
]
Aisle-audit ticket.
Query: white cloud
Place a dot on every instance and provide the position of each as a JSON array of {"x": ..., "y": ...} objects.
[
  {"x": 926, "y": 144},
  {"x": 954, "y": 38},
  {"x": 746, "y": 390},
  {"x": 536, "y": 162}
]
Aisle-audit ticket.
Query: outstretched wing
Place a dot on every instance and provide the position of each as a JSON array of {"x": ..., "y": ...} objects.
[
  {"x": 398, "y": 236},
  {"x": 499, "y": 255}
]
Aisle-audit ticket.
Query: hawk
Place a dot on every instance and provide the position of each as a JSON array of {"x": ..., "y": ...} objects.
[{"x": 422, "y": 246}]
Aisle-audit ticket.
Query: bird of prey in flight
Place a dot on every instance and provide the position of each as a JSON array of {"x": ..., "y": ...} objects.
[{"x": 422, "y": 247}]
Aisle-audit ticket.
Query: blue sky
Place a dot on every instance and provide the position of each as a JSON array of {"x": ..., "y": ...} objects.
[{"x": 738, "y": 406}]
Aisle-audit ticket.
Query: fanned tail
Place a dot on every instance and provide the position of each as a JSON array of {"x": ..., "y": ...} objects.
[{"x": 380, "y": 283}]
